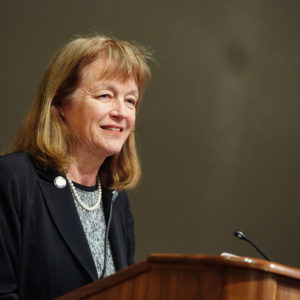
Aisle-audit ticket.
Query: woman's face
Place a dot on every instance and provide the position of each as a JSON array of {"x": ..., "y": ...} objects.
[{"x": 101, "y": 112}]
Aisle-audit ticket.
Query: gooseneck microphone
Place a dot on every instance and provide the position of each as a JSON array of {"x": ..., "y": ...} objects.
[
  {"x": 114, "y": 197},
  {"x": 242, "y": 236}
]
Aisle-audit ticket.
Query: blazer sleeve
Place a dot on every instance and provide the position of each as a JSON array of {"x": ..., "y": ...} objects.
[{"x": 10, "y": 233}]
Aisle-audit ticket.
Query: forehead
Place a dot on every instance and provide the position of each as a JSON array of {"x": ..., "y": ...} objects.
[{"x": 104, "y": 70}]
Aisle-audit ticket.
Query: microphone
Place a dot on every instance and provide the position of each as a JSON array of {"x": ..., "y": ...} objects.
[
  {"x": 242, "y": 236},
  {"x": 115, "y": 194}
]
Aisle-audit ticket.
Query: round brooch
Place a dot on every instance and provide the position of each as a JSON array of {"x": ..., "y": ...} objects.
[{"x": 60, "y": 182}]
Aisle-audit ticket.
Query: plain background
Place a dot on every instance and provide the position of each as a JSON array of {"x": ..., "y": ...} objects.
[{"x": 218, "y": 130}]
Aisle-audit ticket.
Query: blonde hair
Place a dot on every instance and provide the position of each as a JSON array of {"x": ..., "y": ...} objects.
[{"x": 45, "y": 135}]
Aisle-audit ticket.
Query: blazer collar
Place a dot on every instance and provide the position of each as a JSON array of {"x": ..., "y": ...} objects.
[
  {"x": 115, "y": 232},
  {"x": 64, "y": 213}
]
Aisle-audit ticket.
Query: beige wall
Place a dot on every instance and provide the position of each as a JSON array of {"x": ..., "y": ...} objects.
[{"x": 219, "y": 127}]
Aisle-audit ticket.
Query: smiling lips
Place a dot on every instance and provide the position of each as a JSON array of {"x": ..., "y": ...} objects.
[{"x": 112, "y": 128}]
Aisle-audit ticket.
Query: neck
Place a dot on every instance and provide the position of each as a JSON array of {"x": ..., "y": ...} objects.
[{"x": 85, "y": 168}]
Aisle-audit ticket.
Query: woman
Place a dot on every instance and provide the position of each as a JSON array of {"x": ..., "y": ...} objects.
[{"x": 75, "y": 148}]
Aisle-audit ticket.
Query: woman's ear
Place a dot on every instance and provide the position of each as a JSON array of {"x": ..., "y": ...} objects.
[
  {"x": 60, "y": 112},
  {"x": 62, "y": 116}
]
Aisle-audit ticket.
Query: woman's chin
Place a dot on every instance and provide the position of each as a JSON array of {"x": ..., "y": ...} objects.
[{"x": 110, "y": 152}]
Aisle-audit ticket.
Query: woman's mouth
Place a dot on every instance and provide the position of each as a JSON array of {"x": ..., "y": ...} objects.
[{"x": 112, "y": 128}]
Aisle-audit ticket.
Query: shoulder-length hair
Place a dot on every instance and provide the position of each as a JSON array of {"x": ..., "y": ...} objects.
[{"x": 45, "y": 135}]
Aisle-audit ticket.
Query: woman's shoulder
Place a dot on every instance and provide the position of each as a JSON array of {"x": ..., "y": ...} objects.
[
  {"x": 16, "y": 164},
  {"x": 122, "y": 201}
]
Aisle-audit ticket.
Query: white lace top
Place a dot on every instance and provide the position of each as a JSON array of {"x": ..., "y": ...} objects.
[{"x": 93, "y": 223}]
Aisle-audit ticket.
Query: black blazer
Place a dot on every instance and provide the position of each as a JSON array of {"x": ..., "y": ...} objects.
[{"x": 44, "y": 252}]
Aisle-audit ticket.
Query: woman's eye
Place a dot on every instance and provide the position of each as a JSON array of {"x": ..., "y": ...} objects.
[
  {"x": 131, "y": 102},
  {"x": 104, "y": 96}
]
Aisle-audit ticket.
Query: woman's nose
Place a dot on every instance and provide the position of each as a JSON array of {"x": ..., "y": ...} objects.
[{"x": 119, "y": 109}]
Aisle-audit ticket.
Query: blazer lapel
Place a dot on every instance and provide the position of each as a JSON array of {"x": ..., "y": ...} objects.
[
  {"x": 63, "y": 210},
  {"x": 116, "y": 232}
]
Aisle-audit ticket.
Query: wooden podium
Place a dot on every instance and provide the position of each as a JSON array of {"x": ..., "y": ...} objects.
[{"x": 189, "y": 277}]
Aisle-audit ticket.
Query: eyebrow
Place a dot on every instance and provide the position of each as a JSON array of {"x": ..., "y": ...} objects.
[
  {"x": 134, "y": 91},
  {"x": 112, "y": 87}
]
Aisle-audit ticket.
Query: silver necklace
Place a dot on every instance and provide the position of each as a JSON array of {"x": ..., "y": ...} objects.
[{"x": 76, "y": 196}]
